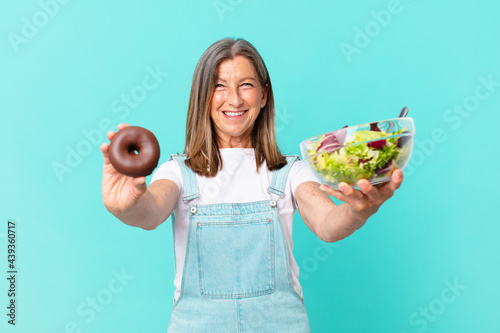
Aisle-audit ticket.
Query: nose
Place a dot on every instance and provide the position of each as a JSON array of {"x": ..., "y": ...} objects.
[{"x": 234, "y": 99}]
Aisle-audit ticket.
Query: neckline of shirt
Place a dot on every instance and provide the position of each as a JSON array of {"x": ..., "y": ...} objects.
[{"x": 237, "y": 150}]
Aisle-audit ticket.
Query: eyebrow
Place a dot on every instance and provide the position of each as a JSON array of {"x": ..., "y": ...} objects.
[{"x": 243, "y": 79}]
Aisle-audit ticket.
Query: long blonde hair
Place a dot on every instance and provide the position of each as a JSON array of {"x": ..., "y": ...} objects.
[{"x": 202, "y": 148}]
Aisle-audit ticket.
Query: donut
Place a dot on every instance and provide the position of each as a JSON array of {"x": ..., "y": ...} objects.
[{"x": 134, "y": 151}]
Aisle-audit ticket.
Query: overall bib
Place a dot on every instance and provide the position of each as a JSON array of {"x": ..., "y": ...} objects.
[{"x": 236, "y": 275}]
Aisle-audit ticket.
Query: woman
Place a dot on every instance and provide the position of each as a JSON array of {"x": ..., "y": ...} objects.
[{"x": 232, "y": 196}]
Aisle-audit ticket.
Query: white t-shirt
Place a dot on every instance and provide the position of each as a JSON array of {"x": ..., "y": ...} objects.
[{"x": 237, "y": 182}]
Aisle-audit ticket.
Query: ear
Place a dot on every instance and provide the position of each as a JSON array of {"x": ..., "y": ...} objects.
[{"x": 263, "y": 101}]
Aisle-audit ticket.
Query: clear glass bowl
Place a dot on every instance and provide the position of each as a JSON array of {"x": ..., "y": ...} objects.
[{"x": 369, "y": 151}]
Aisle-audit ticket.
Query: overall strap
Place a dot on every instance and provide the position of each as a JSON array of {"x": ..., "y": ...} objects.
[
  {"x": 280, "y": 176},
  {"x": 189, "y": 181}
]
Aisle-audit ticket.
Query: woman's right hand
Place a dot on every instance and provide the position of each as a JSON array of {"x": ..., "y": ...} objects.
[{"x": 119, "y": 192}]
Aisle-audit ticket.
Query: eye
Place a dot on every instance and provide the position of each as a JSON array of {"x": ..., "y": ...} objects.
[
  {"x": 219, "y": 86},
  {"x": 247, "y": 84}
]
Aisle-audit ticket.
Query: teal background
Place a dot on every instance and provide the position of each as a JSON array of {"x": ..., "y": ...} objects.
[{"x": 62, "y": 84}]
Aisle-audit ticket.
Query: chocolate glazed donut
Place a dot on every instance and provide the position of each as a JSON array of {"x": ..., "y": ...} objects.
[{"x": 134, "y": 151}]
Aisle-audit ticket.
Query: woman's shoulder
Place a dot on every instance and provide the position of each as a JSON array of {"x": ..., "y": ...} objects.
[
  {"x": 171, "y": 163},
  {"x": 168, "y": 170},
  {"x": 301, "y": 172}
]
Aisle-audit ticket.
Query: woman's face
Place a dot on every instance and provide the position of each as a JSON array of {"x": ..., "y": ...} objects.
[{"x": 236, "y": 102}]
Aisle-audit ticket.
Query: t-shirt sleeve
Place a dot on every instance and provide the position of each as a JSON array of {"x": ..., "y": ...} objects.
[
  {"x": 169, "y": 170},
  {"x": 299, "y": 173}
]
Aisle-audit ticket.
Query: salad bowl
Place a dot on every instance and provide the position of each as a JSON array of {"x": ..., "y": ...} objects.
[{"x": 369, "y": 151}]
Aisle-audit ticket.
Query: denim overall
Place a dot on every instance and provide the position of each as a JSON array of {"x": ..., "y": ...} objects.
[{"x": 236, "y": 274}]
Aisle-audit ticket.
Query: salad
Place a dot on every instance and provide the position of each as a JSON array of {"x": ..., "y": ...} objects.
[{"x": 369, "y": 154}]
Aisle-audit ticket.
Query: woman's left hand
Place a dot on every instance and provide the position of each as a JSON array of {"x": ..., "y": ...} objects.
[{"x": 367, "y": 200}]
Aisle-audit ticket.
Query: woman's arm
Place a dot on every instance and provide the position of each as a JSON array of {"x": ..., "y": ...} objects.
[
  {"x": 152, "y": 208},
  {"x": 331, "y": 222}
]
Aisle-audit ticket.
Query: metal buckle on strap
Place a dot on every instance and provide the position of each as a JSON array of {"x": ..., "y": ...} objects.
[
  {"x": 274, "y": 196},
  {"x": 192, "y": 207}
]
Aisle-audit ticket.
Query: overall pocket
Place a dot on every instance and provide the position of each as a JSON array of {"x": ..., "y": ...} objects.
[{"x": 235, "y": 259}]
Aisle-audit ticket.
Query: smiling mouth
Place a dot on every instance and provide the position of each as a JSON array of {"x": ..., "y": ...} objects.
[{"x": 234, "y": 113}]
